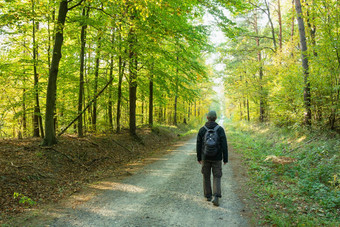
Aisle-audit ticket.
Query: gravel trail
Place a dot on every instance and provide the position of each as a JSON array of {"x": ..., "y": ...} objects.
[{"x": 167, "y": 192}]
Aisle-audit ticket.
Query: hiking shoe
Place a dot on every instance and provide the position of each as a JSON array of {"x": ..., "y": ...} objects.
[
  {"x": 209, "y": 199},
  {"x": 215, "y": 201}
]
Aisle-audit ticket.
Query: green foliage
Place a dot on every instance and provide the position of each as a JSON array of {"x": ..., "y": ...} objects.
[
  {"x": 304, "y": 192},
  {"x": 169, "y": 43},
  {"x": 280, "y": 90},
  {"x": 23, "y": 199}
]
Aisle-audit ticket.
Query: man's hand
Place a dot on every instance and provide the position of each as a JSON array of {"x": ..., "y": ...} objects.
[
  {"x": 225, "y": 163},
  {"x": 200, "y": 162}
]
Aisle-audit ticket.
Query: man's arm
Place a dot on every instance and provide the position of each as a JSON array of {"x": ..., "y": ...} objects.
[
  {"x": 199, "y": 146},
  {"x": 224, "y": 146}
]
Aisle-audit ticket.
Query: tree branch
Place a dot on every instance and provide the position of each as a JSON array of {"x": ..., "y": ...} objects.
[
  {"x": 260, "y": 37},
  {"x": 68, "y": 157},
  {"x": 79, "y": 3},
  {"x": 88, "y": 105}
]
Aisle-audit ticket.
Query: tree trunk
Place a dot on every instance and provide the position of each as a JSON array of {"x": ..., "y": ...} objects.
[
  {"x": 142, "y": 110},
  {"x": 311, "y": 27},
  {"x": 119, "y": 90},
  {"x": 334, "y": 109},
  {"x": 81, "y": 74},
  {"x": 280, "y": 23},
  {"x": 176, "y": 95},
  {"x": 292, "y": 28},
  {"x": 293, "y": 21},
  {"x": 96, "y": 75},
  {"x": 110, "y": 104},
  {"x": 121, "y": 69},
  {"x": 24, "y": 118},
  {"x": 303, "y": 43},
  {"x": 88, "y": 120},
  {"x": 271, "y": 24},
  {"x": 259, "y": 58},
  {"x": 88, "y": 105},
  {"x": 49, "y": 36},
  {"x": 241, "y": 115},
  {"x": 50, "y": 137},
  {"x": 37, "y": 121},
  {"x": 132, "y": 81},
  {"x": 195, "y": 107},
  {"x": 248, "y": 112},
  {"x": 189, "y": 111},
  {"x": 151, "y": 98}
]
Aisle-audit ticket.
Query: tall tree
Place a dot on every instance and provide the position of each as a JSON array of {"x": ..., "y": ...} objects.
[
  {"x": 151, "y": 94},
  {"x": 37, "y": 119},
  {"x": 133, "y": 64},
  {"x": 96, "y": 76},
  {"x": 85, "y": 13},
  {"x": 280, "y": 23},
  {"x": 303, "y": 43},
  {"x": 110, "y": 104},
  {"x": 50, "y": 137},
  {"x": 259, "y": 58}
]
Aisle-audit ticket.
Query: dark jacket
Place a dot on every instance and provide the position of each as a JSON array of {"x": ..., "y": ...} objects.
[{"x": 223, "y": 148}]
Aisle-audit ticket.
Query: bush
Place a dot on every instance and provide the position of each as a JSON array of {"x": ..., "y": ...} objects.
[{"x": 300, "y": 193}]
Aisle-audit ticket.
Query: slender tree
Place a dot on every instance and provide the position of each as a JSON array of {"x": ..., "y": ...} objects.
[
  {"x": 37, "y": 119},
  {"x": 303, "y": 43},
  {"x": 50, "y": 137},
  {"x": 151, "y": 95},
  {"x": 96, "y": 76},
  {"x": 85, "y": 13}
]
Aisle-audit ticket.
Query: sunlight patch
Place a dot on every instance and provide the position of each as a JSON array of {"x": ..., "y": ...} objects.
[
  {"x": 118, "y": 187},
  {"x": 301, "y": 139},
  {"x": 263, "y": 130}
]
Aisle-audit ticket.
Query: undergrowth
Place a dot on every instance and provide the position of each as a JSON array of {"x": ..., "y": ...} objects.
[{"x": 305, "y": 192}]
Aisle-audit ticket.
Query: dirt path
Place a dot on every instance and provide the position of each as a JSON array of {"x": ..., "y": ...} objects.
[{"x": 167, "y": 192}]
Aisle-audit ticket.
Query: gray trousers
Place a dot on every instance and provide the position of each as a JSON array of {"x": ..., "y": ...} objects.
[{"x": 216, "y": 168}]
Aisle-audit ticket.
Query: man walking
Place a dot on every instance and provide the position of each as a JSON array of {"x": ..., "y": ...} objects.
[{"x": 212, "y": 148}]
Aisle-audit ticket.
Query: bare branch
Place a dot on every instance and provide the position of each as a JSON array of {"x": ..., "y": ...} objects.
[
  {"x": 260, "y": 37},
  {"x": 78, "y": 4}
]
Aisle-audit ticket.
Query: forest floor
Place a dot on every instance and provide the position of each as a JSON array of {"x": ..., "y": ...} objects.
[
  {"x": 64, "y": 174},
  {"x": 46, "y": 175}
]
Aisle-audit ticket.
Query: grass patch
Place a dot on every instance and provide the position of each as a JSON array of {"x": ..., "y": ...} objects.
[{"x": 303, "y": 192}]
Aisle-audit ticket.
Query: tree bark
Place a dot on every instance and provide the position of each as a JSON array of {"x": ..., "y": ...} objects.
[
  {"x": 110, "y": 104},
  {"x": 248, "y": 111},
  {"x": 151, "y": 97},
  {"x": 81, "y": 74},
  {"x": 293, "y": 22},
  {"x": 311, "y": 27},
  {"x": 121, "y": 69},
  {"x": 259, "y": 58},
  {"x": 119, "y": 90},
  {"x": 88, "y": 105},
  {"x": 303, "y": 43},
  {"x": 271, "y": 24},
  {"x": 142, "y": 120},
  {"x": 96, "y": 75},
  {"x": 50, "y": 137},
  {"x": 132, "y": 82},
  {"x": 176, "y": 95},
  {"x": 280, "y": 23},
  {"x": 24, "y": 118},
  {"x": 37, "y": 120}
]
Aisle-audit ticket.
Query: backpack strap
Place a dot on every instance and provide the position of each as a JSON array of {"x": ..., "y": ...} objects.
[{"x": 216, "y": 127}]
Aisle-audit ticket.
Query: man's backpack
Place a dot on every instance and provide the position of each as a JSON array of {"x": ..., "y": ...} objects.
[{"x": 211, "y": 142}]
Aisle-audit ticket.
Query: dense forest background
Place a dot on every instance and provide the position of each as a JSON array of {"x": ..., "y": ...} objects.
[
  {"x": 100, "y": 70},
  {"x": 105, "y": 65},
  {"x": 284, "y": 65}
]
